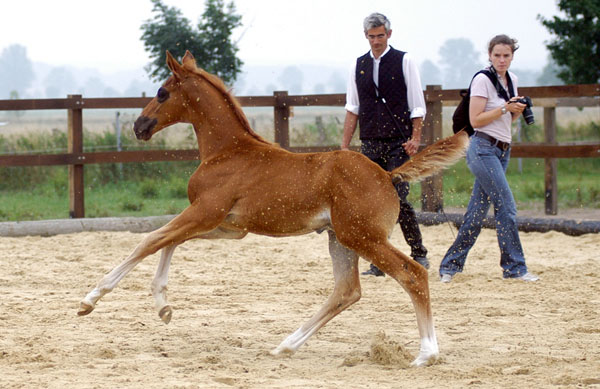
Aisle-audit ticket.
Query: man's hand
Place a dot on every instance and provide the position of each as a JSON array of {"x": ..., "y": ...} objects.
[{"x": 412, "y": 146}]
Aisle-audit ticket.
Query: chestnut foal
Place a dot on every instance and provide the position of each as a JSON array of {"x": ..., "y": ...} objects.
[{"x": 246, "y": 184}]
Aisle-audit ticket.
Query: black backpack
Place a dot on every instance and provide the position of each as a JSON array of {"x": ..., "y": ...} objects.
[{"x": 460, "y": 118}]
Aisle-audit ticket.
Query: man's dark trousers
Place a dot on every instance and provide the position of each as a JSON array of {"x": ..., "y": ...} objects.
[{"x": 389, "y": 154}]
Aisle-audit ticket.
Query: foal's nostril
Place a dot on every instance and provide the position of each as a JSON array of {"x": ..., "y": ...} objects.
[{"x": 143, "y": 127}]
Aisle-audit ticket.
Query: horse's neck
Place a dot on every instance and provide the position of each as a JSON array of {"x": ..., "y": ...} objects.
[
  {"x": 222, "y": 135},
  {"x": 218, "y": 127}
]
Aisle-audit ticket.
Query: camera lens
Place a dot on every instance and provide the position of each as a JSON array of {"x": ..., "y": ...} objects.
[
  {"x": 528, "y": 116},
  {"x": 527, "y": 113}
]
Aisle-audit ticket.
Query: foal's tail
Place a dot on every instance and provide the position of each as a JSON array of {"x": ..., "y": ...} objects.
[{"x": 433, "y": 158}]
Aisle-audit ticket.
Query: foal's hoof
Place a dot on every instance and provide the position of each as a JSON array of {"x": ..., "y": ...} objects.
[
  {"x": 84, "y": 309},
  {"x": 425, "y": 360},
  {"x": 280, "y": 351},
  {"x": 165, "y": 314}
]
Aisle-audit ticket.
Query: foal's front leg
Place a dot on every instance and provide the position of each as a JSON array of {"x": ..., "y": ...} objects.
[
  {"x": 183, "y": 227},
  {"x": 110, "y": 281},
  {"x": 159, "y": 284},
  {"x": 161, "y": 278}
]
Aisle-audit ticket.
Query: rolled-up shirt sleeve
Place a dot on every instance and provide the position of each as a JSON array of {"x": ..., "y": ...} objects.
[
  {"x": 352, "y": 102},
  {"x": 416, "y": 100}
]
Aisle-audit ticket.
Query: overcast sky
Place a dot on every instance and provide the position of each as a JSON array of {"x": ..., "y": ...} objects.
[{"x": 106, "y": 34}]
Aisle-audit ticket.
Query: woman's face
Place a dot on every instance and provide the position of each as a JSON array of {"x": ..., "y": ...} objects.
[{"x": 501, "y": 57}]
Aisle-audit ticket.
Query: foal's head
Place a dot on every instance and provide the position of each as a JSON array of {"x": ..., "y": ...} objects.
[
  {"x": 191, "y": 95},
  {"x": 169, "y": 106}
]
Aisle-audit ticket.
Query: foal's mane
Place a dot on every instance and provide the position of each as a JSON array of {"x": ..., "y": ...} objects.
[{"x": 218, "y": 84}]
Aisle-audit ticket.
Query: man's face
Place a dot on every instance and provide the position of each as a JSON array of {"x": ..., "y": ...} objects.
[{"x": 378, "y": 38}]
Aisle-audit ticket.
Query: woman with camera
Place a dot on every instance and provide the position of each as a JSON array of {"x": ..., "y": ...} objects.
[{"x": 487, "y": 157}]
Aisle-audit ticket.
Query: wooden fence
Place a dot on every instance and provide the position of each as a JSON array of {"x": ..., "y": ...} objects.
[{"x": 431, "y": 194}]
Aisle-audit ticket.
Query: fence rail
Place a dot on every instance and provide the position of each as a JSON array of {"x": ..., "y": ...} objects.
[{"x": 549, "y": 97}]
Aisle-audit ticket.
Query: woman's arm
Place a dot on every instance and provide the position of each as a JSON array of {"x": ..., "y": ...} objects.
[{"x": 479, "y": 118}]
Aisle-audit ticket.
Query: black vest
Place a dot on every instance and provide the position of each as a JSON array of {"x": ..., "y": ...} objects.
[{"x": 373, "y": 118}]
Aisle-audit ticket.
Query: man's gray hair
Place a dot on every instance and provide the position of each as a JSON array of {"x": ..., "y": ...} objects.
[{"x": 375, "y": 20}]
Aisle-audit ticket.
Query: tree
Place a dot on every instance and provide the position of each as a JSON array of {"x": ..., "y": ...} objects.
[
  {"x": 93, "y": 86},
  {"x": 215, "y": 29},
  {"x": 139, "y": 88},
  {"x": 14, "y": 95},
  {"x": 336, "y": 82},
  {"x": 460, "y": 62},
  {"x": 527, "y": 77},
  {"x": 59, "y": 82},
  {"x": 16, "y": 71},
  {"x": 576, "y": 47},
  {"x": 430, "y": 74},
  {"x": 291, "y": 79},
  {"x": 210, "y": 43},
  {"x": 549, "y": 75}
]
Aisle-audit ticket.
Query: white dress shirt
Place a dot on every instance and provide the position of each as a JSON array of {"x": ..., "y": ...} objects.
[{"x": 416, "y": 100}]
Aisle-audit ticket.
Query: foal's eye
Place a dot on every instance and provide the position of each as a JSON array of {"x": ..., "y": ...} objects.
[{"x": 162, "y": 95}]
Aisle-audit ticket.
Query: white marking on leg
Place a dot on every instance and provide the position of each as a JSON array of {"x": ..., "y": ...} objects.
[
  {"x": 429, "y": 350},
  {"x": 110, "y": 281},
  {"x": 159, "y": 284}
]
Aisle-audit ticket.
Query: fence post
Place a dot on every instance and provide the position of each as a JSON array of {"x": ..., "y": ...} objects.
[
  {"x": 432, "y": 188},
  {"x": 75, "y": 146},
  {"x": 281, "y": 116},
  {"x": 550, "y": 169}
]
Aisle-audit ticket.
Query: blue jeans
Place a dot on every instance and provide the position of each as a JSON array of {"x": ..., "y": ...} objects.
[{"x": 488, "y": 164}]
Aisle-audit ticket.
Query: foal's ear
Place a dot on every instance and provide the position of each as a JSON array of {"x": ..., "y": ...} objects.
[
  {"x": 174, "y": 66},
  {"x": 188, "y": 61}
]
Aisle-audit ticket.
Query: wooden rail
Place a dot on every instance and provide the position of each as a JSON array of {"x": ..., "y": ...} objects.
[{"x": 548, "y": 97}]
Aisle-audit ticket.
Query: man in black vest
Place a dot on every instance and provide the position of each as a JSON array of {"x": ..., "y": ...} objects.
[{"x": 386, "y": 76}]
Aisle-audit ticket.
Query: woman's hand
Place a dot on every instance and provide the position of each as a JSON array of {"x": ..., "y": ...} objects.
[{"x": 515, "y": 107}]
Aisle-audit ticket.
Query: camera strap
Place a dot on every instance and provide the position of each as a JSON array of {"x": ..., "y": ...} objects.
[{"x": 497, "y": 84}]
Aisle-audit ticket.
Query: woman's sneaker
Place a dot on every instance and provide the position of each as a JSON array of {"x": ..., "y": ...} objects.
[
  {"x": 528, "y": 277},
  {"x": 445, "y": 278}
]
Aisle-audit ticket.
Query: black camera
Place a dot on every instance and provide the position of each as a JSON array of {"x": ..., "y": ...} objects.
[{"x": 527, "y": 114}]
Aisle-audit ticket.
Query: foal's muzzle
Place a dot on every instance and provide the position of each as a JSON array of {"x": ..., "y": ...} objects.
[{"x": 143, "y": 127}]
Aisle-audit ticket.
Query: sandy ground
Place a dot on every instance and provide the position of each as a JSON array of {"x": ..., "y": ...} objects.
[{"x": 236, "y": 300}]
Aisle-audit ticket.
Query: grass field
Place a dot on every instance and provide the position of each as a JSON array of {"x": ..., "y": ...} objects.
[
  {"x": 578, "y": 187},
  {"x": 144, "y": 189}
]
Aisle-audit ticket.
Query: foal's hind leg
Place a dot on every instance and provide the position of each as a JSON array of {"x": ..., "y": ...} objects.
[
  {"x": 413, "y": 278},
  {"x": 345, "y": 293}
]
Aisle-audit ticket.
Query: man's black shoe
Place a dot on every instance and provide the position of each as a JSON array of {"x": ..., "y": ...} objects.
[
  {"x": 423, "y": 261},
  {"x": 373, "y": 271}
]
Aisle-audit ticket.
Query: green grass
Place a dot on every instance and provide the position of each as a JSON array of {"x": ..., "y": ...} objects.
[
  {"x": 578, "y": 186},
  {"x": 159, "y": 188},
  {"x": 121, "y": 198}
]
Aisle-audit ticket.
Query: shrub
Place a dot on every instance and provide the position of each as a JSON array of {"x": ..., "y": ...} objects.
[
  {"x": 131, "y": 206},
  {"x": 149, "y": 189},
  {"x": 178, "y": 187}
]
